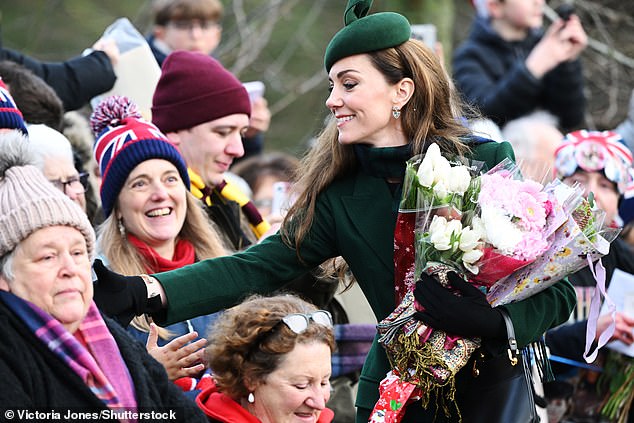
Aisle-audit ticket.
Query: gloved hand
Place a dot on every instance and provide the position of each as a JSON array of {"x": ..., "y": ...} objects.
[
  {"x": 117, "y": 296},
  {"x": 467, "y": 314}
]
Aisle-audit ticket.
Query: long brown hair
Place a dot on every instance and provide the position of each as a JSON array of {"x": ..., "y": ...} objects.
[
  {"x": 433, "y": 113},
  {"x": 124, "y": 258}
]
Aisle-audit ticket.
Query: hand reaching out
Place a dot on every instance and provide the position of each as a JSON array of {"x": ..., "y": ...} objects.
[
  {"x": 179, "y": 357},
  {"x": 118, "y": 296},
  {"x": 109, "y": 47}
]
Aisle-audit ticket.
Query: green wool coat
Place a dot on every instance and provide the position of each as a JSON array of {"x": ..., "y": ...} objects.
[{"x": 355, "y": 218}]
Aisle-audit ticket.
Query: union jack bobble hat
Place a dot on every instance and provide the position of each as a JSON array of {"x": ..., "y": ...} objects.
[
  {"x": 10, "y": 115},
  {"x": 124, "y": 140},
  {"x": 596, "y": 151}
]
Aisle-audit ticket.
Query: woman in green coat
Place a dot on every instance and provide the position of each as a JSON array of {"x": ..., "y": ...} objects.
[{"x": 389, "y": 97}]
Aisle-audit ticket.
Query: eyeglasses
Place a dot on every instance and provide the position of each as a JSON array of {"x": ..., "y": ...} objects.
[
  {"x": 188, "y": 25},
  {"x": 77, "y": 183},
  {"x": 298, "y": 322}
]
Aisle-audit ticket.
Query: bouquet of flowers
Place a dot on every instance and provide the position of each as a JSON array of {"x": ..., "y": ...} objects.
[{"x": 487, "y": 228}]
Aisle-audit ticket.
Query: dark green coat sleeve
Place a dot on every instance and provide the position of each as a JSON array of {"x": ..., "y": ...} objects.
[{"x": 215, "y": 284}]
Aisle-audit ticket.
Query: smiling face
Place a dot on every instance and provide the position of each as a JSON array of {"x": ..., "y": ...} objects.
[
  {"x": 152, "y": 205},
  {"x": 298, "y": 389},
  {"x": 51, "y": 269},
  {"x": 210, "y": 148},
  {"x": 361, "y": 99}
]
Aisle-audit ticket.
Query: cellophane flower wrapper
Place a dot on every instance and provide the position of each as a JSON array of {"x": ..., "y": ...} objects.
[
  {"x": 436, "y": 234},
  {"x": 424, "y": 360},
  {"x": 579, "y": 232},
  {"x": 514, "y": 216}
]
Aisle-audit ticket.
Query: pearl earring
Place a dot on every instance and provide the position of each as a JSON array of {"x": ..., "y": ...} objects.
[
  {"x": 121, "y": 228},
  {"x": 396, "y": 112},
  {"x": 251, "y": 398}
]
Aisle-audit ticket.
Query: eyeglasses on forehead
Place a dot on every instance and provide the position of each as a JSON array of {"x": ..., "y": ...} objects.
[{"x": 298, "y": 322}]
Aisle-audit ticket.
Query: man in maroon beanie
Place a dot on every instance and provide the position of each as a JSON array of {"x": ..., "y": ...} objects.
[{"x": 204, "y": 110}]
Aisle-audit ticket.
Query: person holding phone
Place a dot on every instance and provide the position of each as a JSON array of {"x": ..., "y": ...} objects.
[{"x": 509, "y": 67}]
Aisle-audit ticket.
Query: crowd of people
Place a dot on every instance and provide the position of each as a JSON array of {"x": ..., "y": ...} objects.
[{"x": 217, "y": 266}]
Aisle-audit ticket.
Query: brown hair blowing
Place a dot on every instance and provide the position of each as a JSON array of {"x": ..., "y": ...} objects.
[
  {"x": 248, "y": 341},
  {"x": 434, "y": 113}
]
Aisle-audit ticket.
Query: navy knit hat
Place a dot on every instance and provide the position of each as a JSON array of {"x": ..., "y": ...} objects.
[
  {"x": 364, "y": 33},
  {"x": 10, "y": 115},
  {"x": 124, "y": 140}
]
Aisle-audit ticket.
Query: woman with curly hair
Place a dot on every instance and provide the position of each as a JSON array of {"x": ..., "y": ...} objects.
[{"x": 270, "y": 358}]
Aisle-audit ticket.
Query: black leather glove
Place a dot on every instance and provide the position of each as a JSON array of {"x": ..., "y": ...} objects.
[
  {"x": 465, "y": 313},
  {"x": 117, "y": 296}
]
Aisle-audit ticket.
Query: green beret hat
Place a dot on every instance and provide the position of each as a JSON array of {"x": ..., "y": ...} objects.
[{"x": 363, "y": 34}]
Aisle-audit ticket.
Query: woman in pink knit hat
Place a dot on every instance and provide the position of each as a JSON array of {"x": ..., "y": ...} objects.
[{"x": 59, "y": 353}]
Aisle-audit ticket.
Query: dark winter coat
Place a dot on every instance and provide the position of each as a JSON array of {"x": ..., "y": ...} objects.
[
  {"x": 491, "y": 74},
  {"x": 34, "y": 377}
]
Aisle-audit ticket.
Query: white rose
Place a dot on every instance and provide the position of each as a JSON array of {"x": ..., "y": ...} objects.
[
  {"x": 442, "y": 171},
  {"x": 472, "y": 268},
  {"x": 469, "y": 239},
  {"x": 432, "y": 155},
  {"x": 439, "y": 236},
  {"x": 459, "y": 179},
  {"x": 440, "y": 190},
  {"x": 477, "y": 226},
  {"x": 500, "y": 231},
  {"x": 426, "y": 173},
  {"x": 437, "y": 224},
  {"x": 454, "y": 226},
  {"x": 441, "y": 241},
  {"x": 472, "y": 256}
]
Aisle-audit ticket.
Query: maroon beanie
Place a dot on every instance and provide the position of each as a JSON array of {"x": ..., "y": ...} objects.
[{"x": 195, "y": 88}]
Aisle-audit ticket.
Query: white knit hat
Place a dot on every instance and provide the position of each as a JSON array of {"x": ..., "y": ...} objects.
[{"x": 28, "y": 201}]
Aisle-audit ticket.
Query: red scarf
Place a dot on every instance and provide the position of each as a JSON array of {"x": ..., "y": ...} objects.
[
  {"x": 184, "y": 254},
  {"x": 222, "y": 408}
]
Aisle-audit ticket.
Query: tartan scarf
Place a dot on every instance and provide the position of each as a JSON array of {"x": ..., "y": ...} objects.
[
  {"x": 97, "y": 361},
  {"x": 258, "y": 224}
]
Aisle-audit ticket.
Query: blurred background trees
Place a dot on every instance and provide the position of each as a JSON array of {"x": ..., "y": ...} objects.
[{"x": 281, "y": 42}]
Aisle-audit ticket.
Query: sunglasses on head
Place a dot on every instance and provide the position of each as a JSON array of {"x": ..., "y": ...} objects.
[{"x": 298, "y": 322}]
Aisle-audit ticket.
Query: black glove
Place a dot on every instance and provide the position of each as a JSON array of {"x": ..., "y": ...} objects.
[
  {"x": 466, "y": 313},
  {"x": 117, "y": 296}
]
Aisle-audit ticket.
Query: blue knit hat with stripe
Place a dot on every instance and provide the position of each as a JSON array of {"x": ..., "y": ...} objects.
[
  {"x": 10, "y": 115},
  {"x": 124, "y": 140}
]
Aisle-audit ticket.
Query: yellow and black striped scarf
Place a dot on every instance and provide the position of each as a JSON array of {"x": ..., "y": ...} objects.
[{"x": 258, "y": 224}]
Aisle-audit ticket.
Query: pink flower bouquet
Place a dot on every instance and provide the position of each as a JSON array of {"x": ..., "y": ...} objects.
[{"x": 486, "y": 227}]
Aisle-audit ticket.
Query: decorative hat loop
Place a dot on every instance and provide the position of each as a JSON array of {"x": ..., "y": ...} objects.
[
  {"x": 356, "y": 9},
  {"x": 365, "y": 33}
]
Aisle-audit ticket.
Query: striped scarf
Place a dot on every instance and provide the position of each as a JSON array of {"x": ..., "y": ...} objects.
[
  {"x": 258, "y": 225},
  {"x": 96, "y": 360}
]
